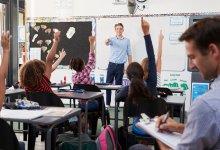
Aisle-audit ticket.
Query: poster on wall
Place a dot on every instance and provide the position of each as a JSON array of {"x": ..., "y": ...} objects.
[{"x": 178, "y": 81}]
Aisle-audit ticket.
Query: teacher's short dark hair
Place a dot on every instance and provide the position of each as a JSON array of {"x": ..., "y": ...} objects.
[{"x": 119, "y": 24}]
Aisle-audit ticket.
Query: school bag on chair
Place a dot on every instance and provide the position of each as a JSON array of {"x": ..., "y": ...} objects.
[{"x": 106, "y": 140}]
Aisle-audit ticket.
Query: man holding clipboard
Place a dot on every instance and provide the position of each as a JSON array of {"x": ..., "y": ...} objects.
[{"x": 202, "y": 130}]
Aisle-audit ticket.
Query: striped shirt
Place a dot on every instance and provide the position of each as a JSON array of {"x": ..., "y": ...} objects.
[
  {"x": 43, "y": 86},
  {"x": 202, "y": 131},
  {"x": 83, "y": 77}
]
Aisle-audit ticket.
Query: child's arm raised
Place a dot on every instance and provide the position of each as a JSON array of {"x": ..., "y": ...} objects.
[
  {"x": 5, "y": 43},
  {"x": 51, "y": 54}
]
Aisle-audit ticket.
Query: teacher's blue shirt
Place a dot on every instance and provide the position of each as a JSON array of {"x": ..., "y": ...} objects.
[{"x": 120, "y": 49}]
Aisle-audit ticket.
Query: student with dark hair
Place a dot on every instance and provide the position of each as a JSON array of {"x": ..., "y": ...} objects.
[
  {"x": 82, "y": 76},
  {"x": 119, "y": 54},
  {"x": 35, "y": 74},
  {"x": 202, "y": 130},
  {"x": 135, "y": 71}
]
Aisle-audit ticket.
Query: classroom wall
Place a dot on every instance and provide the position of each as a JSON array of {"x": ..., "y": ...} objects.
[
  {"x": 69, "y": 8},
  {"x": 107, "y": 13}
]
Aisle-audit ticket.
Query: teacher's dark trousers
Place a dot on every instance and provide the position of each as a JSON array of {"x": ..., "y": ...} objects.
[{"x": 114, "y": 72}]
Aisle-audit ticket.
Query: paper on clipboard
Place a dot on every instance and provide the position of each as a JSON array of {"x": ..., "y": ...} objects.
[{"x": 170, "y": 139}]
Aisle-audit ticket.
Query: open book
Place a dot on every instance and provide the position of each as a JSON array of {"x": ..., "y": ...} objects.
[{"x": 170, "y": 139}]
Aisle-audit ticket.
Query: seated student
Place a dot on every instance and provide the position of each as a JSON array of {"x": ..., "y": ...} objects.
[
  {"x": 82, "y": 76},
  {"x": 35, "y": 74},
  {"x": 151, "y": 80}
]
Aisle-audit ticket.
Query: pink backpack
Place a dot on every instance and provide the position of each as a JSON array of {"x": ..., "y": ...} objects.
[{"x": 106, "y": 140}]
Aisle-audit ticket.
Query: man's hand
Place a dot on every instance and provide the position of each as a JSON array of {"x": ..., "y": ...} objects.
[
  {"x": 5, "y": 41},
  {"x": 145, "y": 26},
  {"x": 170, "y": 125},
  {"x": 107, "y": 42}
]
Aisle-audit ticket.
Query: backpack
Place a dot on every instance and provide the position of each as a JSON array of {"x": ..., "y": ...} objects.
[
  {"x": 68, "y": 141},
  {"x": 106, "y": 140}
]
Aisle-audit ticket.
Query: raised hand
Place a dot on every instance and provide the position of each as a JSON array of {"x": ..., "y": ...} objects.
[
  {"x": 91, "y": 39},
  {"x": 57, "y": 36},
  {"x": 145, "y": 26},
  {"x": 161, "y": 36},
  {"x": 62, "y": 53},
  {"x": 5, "y": 41}
]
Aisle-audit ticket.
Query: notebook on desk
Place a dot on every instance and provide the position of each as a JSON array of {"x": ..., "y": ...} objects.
[
  {"x": 170, "y": 139},
  {"x": 22, "y": 114}
]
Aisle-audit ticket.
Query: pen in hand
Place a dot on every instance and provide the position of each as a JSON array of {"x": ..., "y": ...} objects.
[{"x": 165, "y": 118}]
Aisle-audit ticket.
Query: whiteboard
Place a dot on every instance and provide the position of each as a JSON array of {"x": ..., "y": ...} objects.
[{"x": 173, "y": 58}]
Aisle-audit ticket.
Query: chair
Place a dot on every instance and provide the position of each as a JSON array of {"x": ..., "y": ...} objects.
[
  {"x": 94, "y": 88},
  {"x": 151, "y": 108},
  {"x": 44, "y": 99},
  {"x": 163, "y": 91},
  {"x": 8, "y": 139}
]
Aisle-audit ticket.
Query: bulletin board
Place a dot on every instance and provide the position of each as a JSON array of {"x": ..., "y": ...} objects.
[{"x": 74, "y": 38}]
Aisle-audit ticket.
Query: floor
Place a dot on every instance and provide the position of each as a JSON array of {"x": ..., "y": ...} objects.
[{"x": 40, "y": 145}]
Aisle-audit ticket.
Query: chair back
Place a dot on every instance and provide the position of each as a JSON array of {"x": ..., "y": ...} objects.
[
  {"x": 45, "y": 99},
  {"x": 163, "y": 91},
  {"x": 8, "y": 139},
  {"x": 151, "y": 108}
]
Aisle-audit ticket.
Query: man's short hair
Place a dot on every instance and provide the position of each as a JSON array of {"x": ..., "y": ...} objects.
[
  {"x": 203, "y": 33},
  {"x": 119, "y": 24}
]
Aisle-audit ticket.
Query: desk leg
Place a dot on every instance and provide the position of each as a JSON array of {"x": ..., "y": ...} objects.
[
  {"x": 80, "y": 129},
  {"x": 182, "y": 113},
  {"x": 116, "y": 124},
  {"x": 48, "y": 141},
  {"x": 103, "y": 112},
  {"x": 86, "y": 117},
  {"x": 70, "y": 102}
]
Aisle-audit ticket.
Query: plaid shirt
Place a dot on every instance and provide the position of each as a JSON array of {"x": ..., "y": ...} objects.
[{"x": 83, "y": 77}]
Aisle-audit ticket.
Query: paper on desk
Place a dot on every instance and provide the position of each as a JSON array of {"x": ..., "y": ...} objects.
[
  {"x": 22, "y": 114},
  {"x": 170, "y": 139},
  {"x": 58, "y": 111}
]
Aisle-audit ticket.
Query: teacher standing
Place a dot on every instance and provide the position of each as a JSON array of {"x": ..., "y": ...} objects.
[{"x": 119, "y": 54}]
